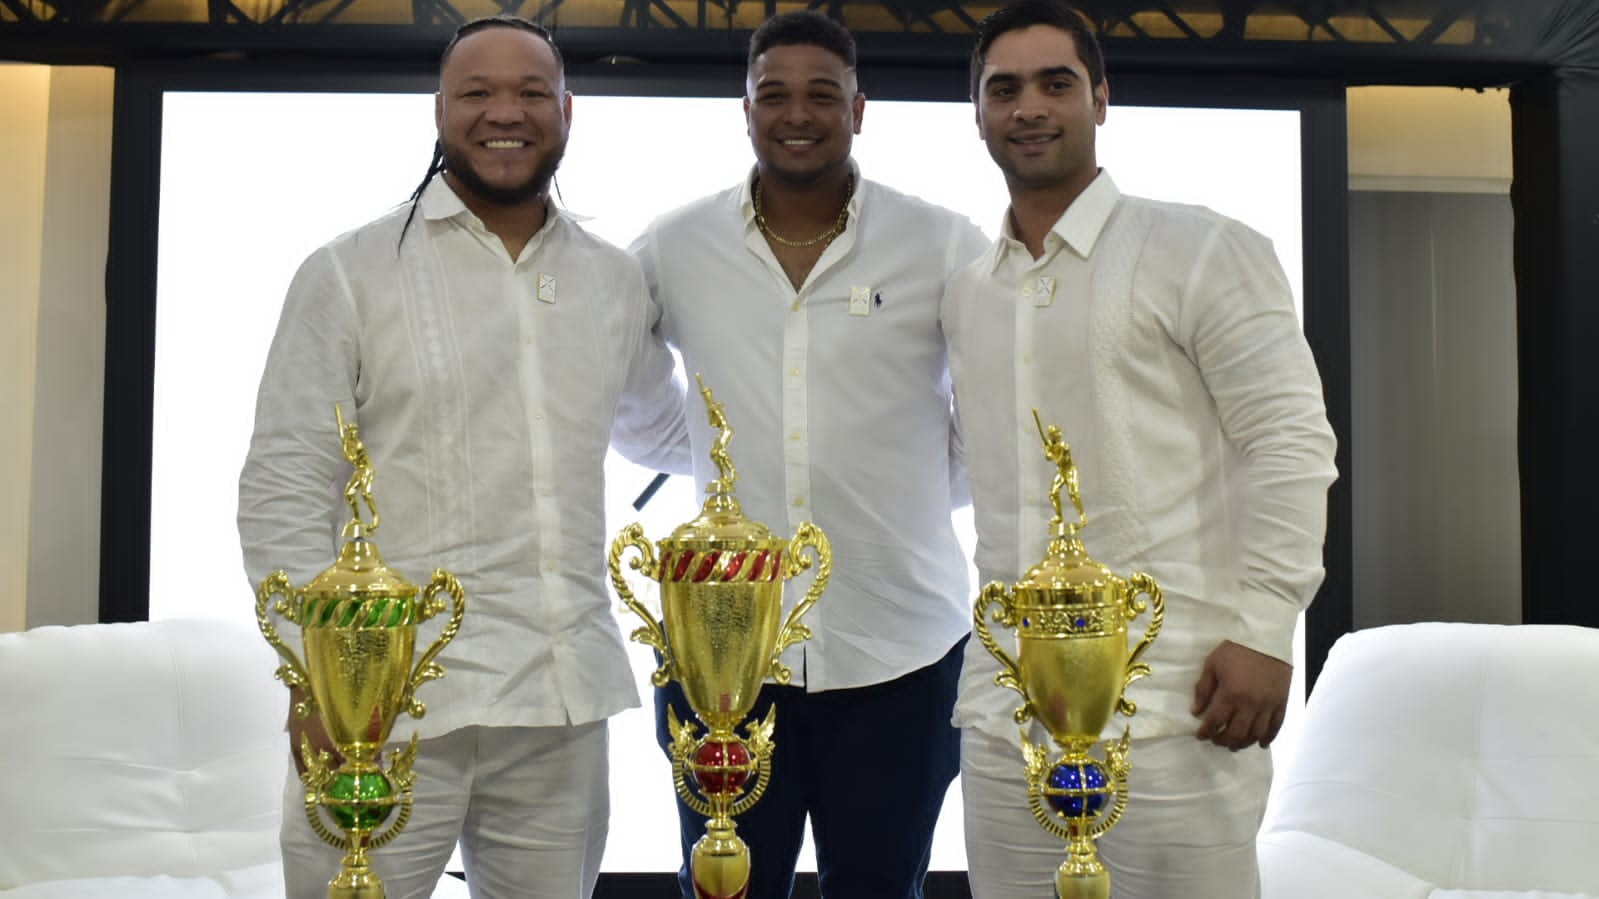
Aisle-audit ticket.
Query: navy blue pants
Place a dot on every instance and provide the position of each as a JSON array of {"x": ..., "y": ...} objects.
[{"x": 869, "y": 765}]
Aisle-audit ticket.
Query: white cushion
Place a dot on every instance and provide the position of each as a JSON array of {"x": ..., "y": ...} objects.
[
  {"x": 1463, "y": 755},
  {"x": 258, "y": 882},
  {"x": 151, "y": 749},
  {"x": 1306, "y": 866}
]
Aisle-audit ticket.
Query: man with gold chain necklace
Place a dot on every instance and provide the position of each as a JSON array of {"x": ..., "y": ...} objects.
[{"x": 807, "y": 298}]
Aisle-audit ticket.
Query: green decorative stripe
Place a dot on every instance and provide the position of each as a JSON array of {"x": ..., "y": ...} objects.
[{"x": 360, "y": 613}]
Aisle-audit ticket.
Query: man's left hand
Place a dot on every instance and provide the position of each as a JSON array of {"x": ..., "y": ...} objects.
[{"x": 1241, "y": 697}]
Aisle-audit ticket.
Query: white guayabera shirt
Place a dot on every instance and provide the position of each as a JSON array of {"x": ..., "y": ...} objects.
[
  {"x": 486, "y": 390},
  {"x": 1162, "y": 339},
  {"x": 838, "y": 396}
]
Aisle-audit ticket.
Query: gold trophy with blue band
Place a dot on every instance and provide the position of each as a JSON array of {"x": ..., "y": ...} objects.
[
  {"x": 358, "y": 623},
  {"x": 721, "y": 577},
  {"x": 1072, "y": 667}
]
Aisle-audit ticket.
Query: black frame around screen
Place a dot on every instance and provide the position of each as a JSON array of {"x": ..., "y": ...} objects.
[{"x": 135, "y": 205}]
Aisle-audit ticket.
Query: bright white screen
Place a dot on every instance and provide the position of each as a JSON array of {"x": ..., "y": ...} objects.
[{"x": 251, "y": 183}]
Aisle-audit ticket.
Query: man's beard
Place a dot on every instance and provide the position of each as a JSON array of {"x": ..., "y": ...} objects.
[{"x": 536, "y": 184}]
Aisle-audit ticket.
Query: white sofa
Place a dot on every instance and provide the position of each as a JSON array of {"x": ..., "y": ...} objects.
[
  {"x": 142, "y": 760},
  {"x": 1443, "y": 761}
]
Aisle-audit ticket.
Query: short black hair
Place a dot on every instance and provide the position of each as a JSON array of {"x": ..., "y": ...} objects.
[
  {"x": 502, "y": 21},
  {"x": 1027, "y": 13},
  {"x": 803, "y": 27}
]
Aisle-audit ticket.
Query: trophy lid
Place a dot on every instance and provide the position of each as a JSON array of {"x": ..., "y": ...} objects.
[
  {"x": 359, "y": 572},
  {"x": 1067, "y": 572},
  {"x": 1068, "y": 566},
  {"x": 721, "y": 523}
]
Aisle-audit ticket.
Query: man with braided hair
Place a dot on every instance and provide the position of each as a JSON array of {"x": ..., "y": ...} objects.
[{"x": 488, "y": 349}]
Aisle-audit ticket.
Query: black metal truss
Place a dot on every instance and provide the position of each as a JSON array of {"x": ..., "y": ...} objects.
[
  {"x": 1340, "y": 38},
  {"x": 1398, "y": 22}
]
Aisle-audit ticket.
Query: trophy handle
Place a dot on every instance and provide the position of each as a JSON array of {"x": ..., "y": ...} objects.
[
  {"x": 652, "y": 634},
  {"x": 759, "y": 738},
  {"x": 1011, "y": 674},
  {"x": 318, "y": 769},
  {"x": 402, "y": 771},
  {"x": 426, "y": 668},
  {"x": 684, "y": 743},
  {"x": 793, "y": 632},
  {"x": 1116, "y": 769},
  {"x": 1035, "y": 764},
  {"x": 292, "y": 672},
  {"x": 1141, "y": 584}
]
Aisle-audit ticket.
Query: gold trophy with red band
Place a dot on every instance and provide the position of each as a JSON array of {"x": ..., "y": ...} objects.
[
  {"x": 721, "y": 635},
  {"x": 358, "y": 623},
  {"x": 1072, "y": 667}
]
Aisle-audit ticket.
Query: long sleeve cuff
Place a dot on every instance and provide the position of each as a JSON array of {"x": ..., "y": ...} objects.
[{"x": 1267, "y": 625}]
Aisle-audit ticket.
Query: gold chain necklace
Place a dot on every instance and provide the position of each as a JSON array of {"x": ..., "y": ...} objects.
[{"x": 833, "y": 230}]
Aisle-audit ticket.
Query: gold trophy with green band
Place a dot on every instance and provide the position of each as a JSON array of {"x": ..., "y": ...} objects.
[
  {"x": 1072, "y": 667},
  {"x": 358, "y": 623},
  {"x": 721, "y": 577}
]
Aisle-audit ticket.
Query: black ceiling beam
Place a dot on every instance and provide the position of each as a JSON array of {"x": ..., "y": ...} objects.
[{"x": 1143, "y": 34}]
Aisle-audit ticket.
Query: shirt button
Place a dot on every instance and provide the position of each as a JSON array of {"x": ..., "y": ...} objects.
[
  {"x": 1027, "y": 358},
  {"x": 794, "y": 436},
  {"x": 551, "y": 567},
  {"x": 799, "y": 502},
  {"x": 794, "y": 372}
]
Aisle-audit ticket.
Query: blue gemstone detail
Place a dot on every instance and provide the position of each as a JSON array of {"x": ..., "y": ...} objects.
[
  {"x": 1081, "y": 623},
  {"x": 1027, "y": 622},
  {"x": 1088, "y": 790}
]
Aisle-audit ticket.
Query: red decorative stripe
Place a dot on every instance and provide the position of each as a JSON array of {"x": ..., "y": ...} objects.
[
  {"x": 683, "y": 561},
  {"x": 735, "y": 562},
  {"x": 707, "y": 565}
]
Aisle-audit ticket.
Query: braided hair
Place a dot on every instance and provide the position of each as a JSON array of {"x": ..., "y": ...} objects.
[{"x": 437, "y": 165}]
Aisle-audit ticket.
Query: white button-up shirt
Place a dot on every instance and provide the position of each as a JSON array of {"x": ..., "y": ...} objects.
[
  {"x": 1162, "y": 339},
  {"x": 486, "y": 389},
  {"x": 838, "y": 395}
]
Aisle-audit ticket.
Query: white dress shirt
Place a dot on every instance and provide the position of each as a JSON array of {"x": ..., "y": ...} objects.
[
  {"x": 1162, "y": 339},
  {"x": 486, "y": 389},
  {"x": 838, "y": 396}
]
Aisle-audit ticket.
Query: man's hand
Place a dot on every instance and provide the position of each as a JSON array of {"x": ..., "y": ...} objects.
[
  {"x": 309, "y": 727},
  {"x": 1241, "y": 697}
]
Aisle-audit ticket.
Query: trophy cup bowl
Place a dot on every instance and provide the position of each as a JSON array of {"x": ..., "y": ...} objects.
[
  {"x": 358, "y": 622},
  {"x": 721, "y": 634},
  {"x": 1072, "y": 666}
]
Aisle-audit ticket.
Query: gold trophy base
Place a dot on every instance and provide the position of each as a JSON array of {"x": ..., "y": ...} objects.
[
  {"x": 719, "y": 864},
  {"x": 1081, "y": 875},
  {"x": 356, "y": 881}
]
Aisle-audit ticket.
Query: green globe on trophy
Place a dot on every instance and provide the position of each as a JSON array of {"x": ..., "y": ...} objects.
[
  {"x": 358, "y": 622},
  {"x": 1072, "y": 667}
]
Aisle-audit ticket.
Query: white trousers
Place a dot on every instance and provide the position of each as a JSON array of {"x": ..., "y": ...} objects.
[
  {"x": 1193, "y": 811},
  {"x": 529, "y": 806}
]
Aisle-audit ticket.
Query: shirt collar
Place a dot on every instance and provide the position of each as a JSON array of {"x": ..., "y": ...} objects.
[
  {"x": 1078, "y": 227},
  {"x": 746, "y": 193},
  {"x": 439, "y": 201}
]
